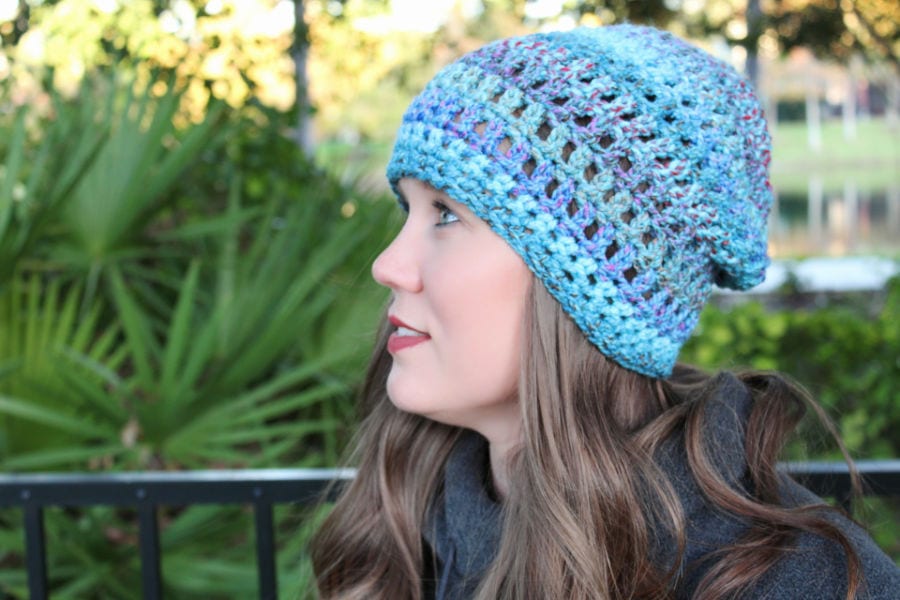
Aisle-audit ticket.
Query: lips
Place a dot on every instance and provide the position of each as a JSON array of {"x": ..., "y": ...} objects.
[{"x": 404, "y": 336}]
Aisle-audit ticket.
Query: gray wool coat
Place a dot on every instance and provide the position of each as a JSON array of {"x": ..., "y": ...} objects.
[{"x": 464, "y": 529}]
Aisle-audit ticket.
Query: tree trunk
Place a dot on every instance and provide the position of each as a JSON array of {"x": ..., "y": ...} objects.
[
  {"x": 21, "y": 22},
  {"x": 303, "y": 130},
  {"x": 751, "y": 43}
]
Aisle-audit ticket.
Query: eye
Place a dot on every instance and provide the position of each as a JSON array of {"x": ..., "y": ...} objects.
[{"x": 445, "y": 215}]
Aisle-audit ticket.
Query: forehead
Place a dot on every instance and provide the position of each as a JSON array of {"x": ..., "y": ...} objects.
[
  {"x": 408, "y": 186},
  {"x": 416, "y": 189}
]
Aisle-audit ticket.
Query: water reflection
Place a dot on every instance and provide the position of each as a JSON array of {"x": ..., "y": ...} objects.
[{"x": 835, "y": 222}]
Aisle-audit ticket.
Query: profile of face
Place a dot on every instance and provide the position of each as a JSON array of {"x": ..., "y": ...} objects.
[{"x": 458, "y": 303}]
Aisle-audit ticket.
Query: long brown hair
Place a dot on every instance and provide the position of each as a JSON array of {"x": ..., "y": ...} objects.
[{"x": 587, "y": 503}]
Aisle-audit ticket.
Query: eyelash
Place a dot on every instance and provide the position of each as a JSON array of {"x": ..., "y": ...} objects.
[{"x": 444, "y": 211}]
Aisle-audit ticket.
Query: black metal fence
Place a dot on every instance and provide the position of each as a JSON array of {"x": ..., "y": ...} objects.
[
  {"x": 146, "y": 492},
  {"x": 262, "y": 489}
]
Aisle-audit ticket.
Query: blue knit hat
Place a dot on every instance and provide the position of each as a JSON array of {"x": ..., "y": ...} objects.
[{"x": 627, "y": 168}]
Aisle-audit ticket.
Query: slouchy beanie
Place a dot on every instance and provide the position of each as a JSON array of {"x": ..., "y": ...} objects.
[{"x": 628, "y": 168}]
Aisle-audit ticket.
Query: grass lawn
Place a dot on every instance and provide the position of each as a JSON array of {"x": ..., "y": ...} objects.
[{"x": 871, "y": 159}]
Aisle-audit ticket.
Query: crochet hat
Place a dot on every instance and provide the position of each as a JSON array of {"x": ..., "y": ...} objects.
[{"x": 627, "y": 168}]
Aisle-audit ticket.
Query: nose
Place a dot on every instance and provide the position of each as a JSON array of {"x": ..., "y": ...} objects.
[{"x": 397, "y": 267}]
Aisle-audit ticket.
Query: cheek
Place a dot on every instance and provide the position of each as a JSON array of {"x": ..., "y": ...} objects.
[{"x": 481, "y": 316}]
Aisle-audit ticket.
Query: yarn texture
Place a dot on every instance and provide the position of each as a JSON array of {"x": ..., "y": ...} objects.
[{"x": 628, "y": 168}]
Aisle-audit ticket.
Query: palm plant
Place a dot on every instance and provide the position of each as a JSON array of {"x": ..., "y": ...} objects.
[{"x": 151, "y": 320}]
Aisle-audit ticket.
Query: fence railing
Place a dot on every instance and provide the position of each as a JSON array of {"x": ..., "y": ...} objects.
[
  {"x": 262, "y": 489},
  {"x": 146, "y": 492}
]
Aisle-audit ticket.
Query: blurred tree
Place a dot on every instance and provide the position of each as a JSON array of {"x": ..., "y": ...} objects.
[
  {"x": 233, "y": 50},
  {"x": 359, "y": 67},
  {"x": 651, "y": 12},
  {"x": 829, "y": 28},
  {"x": 369, "y": 57},
  {"x": 364, "y": 59},
  {"x": 839, "y": 27},
  {"x": 13, "y": 22},
  {"x": 834, "y": 28}
]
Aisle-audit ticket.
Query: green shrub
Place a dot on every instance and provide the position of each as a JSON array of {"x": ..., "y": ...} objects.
[
  {"x": 173, "y": 299},
  {"x": 845, "y": 353}
]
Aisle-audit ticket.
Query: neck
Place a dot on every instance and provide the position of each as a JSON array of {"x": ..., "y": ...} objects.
[
  {"x": 501, "y": 426},
  {"x": 500, "y": 452}
]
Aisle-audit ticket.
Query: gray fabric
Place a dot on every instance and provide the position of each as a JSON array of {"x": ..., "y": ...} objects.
[{"x": 464, "y": 529}]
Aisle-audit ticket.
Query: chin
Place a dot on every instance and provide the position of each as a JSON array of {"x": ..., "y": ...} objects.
[
  {"x": 410, "y": 407},
  {"x": 412, "y": 403},
  {"x": 405, "y": 399}
]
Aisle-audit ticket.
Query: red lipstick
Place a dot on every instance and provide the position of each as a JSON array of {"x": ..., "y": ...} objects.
[{"x": 405, "y": 339}]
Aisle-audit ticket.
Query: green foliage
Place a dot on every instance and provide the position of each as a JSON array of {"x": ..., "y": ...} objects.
[
  {"x": 207, "y": 551},
  {"x": 847, "y": 354},
  {"x": 843, "y": 353},
  {"x": 179, "y": 298},
  {"x": 654, "y": 12}
]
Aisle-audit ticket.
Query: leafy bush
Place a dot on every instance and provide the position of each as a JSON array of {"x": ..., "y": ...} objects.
[
  {"x": 172, "y": 299},
  {"x": 847, "y": 353}
]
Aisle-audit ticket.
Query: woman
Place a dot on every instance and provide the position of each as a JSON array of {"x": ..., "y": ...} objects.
[{"x": 572, "y": 198}]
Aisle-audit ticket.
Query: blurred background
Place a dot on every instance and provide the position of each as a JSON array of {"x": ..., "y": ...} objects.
[{"x": 191, "y": 194}]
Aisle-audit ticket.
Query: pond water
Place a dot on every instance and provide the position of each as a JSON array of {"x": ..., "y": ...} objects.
[
  {"x": 832, "y": 237},
  {"x": 842, "y": 221}
]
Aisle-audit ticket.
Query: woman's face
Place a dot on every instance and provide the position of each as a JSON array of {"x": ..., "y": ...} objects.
[{"x": 458, "y": 303}]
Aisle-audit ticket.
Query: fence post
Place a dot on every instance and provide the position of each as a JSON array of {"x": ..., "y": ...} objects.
[
  {"x": 35, "y": 551},
  {"x": 148, "y": 528},
  {"x": 265, "y": 549}
]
